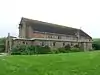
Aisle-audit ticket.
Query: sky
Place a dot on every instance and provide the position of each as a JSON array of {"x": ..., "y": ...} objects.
[{"x": 84, "y": 14}]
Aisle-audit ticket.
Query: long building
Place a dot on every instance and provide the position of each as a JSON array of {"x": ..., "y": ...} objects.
[{"x": 34, "y": 32}]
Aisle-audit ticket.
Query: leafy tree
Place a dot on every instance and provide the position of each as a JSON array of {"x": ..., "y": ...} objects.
[
  {"x": 96, "y": 44},
  {"x": 2, "y": 44}
]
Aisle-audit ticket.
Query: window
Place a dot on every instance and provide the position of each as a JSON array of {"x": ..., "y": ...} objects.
[
  {"x": 49, "y": 36},
  {"x": 54, "y": 43},
  {"x": 89, "y": 40},
  {"x": 71, "y": 44},
  {"x": 23, "y": 42},
  {"x": 63, "y": 43},
  {"x": 42, "y": 44},
  {"x": 26, "y": 43},
  {"x": 59, "y": 37}
]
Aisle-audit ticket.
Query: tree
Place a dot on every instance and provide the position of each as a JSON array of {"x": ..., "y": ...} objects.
[
  {"x": 2, "y": 44},
  {"x": 96, "y": 44}
]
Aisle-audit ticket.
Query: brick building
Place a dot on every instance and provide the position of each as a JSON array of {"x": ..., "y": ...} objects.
[{"x": 35, "y": 32}]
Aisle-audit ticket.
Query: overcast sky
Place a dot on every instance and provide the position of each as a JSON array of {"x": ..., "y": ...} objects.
[{"x": 72, "y": 13}]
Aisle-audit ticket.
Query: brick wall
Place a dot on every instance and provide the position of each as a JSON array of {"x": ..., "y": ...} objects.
[{"x": 22, "y": 30}]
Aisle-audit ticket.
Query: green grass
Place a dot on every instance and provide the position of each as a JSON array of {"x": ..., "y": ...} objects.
[{"x": 82, "y": 63}]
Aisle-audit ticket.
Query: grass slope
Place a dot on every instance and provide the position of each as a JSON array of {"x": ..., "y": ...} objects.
[{"x": 83, "y": 63}]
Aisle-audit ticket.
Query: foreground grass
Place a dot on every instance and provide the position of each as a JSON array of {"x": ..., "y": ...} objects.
[{"x": 83, "y": 63}]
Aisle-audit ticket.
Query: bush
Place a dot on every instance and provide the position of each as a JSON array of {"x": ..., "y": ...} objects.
[
  {"x": 2, "y": 44},
  {"x": 75, "y": 50},
  {"x": 29, "y": 50},
  {"x": 2, "y": 48},
  {"x": 76, "y": 46},
  {"x": 18, "y": 50},
  {"x": 42, "y": 50},
  {"x": 96, "y": 44},
  {"x": 62, "y": 50},
  {"x": 68, "y": 47},
  {"x": 55, "y": 51}
]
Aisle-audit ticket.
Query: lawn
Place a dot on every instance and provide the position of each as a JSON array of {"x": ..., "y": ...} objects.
[{"x": 81, "y": 63}]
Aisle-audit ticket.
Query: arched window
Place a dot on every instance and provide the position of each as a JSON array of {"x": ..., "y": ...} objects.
[{"x": 23, "y": 42}]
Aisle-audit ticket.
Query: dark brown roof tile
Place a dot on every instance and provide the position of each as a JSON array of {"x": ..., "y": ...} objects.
[{"x": 53, "y": 28}]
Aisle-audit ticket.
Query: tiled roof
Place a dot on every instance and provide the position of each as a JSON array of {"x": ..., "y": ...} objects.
[{"x": 53, "y": 28}]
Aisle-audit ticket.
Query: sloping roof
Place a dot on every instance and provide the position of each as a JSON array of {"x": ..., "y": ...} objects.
[{"x": 53, "y": 28}]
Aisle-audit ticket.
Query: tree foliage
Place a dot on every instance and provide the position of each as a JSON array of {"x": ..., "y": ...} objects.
[
  {"x": 96, "y": 44},
  {"x": 2, "y": 44}
]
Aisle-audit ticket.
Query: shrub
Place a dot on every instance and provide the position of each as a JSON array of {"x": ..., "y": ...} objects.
[
  {"x": 68, "y": 47},
  {"x": 2, "y": 48},
  {"x": 62, "y": 50},
  {"x": 2, "y": 44},
  {"x": 75, "y": 49},
  {"x": 42, "y": 50},
  {"x": 76, "y": 46},
  {"x": 55, "y": 51},
  {"x": 29, "y": 50},
  {"x": 96, "y": 44},
  {"x": 18, "y": 50}
]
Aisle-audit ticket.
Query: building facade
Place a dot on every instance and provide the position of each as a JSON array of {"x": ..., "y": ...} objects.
[{"x": 33, "y": 32}]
